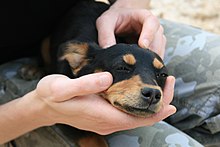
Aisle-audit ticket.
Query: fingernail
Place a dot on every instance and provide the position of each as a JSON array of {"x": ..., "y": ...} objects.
[
  {"x": 105, "y": 80},
  {"x": 146, "y": 43}
]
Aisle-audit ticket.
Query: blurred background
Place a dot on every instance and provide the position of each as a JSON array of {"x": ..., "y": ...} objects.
[{"x": 204, "y": 14}]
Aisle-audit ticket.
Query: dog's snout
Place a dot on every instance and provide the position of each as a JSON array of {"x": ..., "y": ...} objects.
[{"x": 151, "y": 95}]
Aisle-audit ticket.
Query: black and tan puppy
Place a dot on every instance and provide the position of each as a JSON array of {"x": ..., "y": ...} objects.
[{"x": 139, "y": 74}]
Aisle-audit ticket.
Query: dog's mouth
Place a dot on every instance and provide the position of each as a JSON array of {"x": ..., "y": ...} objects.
[{"x": 137, "y": 111}]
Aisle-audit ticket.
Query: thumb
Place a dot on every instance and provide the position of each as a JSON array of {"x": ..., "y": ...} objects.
[{"x": 62, "y": 88}]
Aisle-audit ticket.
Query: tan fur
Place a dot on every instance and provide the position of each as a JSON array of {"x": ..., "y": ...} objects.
[
  {"x": 129, "y": 59},
  {"x": 129, "y": 95},
  {"x": 75, "y": 54},
  {"x": 157, "y": 64}
]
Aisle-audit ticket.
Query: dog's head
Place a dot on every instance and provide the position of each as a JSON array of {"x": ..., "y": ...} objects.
[{"x": 138, "y": 74}]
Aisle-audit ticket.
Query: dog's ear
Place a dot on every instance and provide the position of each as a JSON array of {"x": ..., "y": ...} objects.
[{"x": 77, "y": 54}]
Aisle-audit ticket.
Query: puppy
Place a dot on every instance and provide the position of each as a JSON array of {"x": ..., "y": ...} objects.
[{"x": 138, "y": 74}]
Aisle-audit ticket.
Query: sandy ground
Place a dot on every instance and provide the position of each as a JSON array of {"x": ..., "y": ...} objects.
[{"x": 204, "y": 14}]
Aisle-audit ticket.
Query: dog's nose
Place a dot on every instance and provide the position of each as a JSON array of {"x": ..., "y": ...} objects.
[{"x": 151, "y": 95}]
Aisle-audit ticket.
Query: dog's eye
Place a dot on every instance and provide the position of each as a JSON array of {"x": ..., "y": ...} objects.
[
  {"x": 161, "y": 75},
  {"x": 123, "y": 69}
]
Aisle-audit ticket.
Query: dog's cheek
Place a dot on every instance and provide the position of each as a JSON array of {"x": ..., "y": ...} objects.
[{"x": 126, "y": 92}]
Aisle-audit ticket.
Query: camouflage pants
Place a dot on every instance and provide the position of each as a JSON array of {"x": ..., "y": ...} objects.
[{"x": 192, "y": 57}]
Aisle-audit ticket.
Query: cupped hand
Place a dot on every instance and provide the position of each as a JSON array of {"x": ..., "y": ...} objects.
[{"x": 75, "y": 102}]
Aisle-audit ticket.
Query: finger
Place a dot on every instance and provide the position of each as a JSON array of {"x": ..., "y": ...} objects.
[
  {"x": 165, "y": 112},
  {"x": 150, "y": 27},
  {"x": 105, "y": 28},
  {"x": 44, "y": 85},
  {"x": 163, "y": 46},
  {"x": 158, "y": 43},
  {"x": 84, "y": 85},
  {"x": 169, "y": 90},
  {"x": 63, "y": 88},
  {"x": 130, "y": 122}
]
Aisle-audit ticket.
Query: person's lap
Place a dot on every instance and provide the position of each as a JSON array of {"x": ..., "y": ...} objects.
[{"x": 193, "y": 57}]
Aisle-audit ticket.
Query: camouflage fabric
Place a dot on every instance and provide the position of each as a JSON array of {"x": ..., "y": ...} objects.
[
  {"x": 192, "y": 57},
  {"x": 12, "y": 86},
  {"x": 159, "y": 135}
]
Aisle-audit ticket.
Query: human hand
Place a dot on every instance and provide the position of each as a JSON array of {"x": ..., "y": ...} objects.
[
  {"x": 73, "y": 102},
  {"x": 133, "y": 21}
]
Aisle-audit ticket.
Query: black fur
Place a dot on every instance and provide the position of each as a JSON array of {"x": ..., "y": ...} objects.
[{"x": 139, "y": 79}]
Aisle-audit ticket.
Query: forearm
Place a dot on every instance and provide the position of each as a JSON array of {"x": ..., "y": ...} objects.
[
  {"x": 20, "y": 116},
  {"x": 131, "y": 3}
]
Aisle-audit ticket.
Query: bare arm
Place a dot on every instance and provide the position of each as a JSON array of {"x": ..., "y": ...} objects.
[
  {"x": 52, "y": 102},
  {"x": 34, "y": 109},
  {"x": 20, "y": 116},
  {"x": 58, "y": 99}
]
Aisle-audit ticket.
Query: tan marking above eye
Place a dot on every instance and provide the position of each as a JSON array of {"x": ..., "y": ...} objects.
[
  {"x": 157, "y": 64},
  {"x": 129, "y": 59}
]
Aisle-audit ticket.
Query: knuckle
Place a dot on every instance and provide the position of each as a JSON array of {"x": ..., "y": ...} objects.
[
  {"x": 101, "y": 19},
  {"x": 54, "y": 86}
]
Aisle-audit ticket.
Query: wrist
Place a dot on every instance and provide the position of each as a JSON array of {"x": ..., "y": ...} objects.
[
  {"x": 143, "y": 4},
  {"x": 21, "y": 116},
  {"x": 35, "y": 110}
]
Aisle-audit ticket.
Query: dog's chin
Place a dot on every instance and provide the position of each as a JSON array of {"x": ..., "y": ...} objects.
[{"x": 137, "y": 111}]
